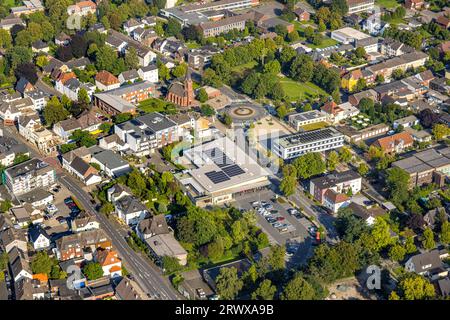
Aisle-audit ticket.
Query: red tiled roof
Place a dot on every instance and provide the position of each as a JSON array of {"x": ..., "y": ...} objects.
[
  {"x": 335, "y": 197},
  {"x": 106, "y": 78},
  {"x": 388, "y": 143}
]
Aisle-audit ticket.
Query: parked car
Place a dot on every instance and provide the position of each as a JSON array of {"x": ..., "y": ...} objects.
[
  {"x": 276, "y": 225},
  {"x": 268, "y": 206},
  {"x": 271, "y": 220},
  {"x": 201, "y": 293},
  {"x": 68, "y": 200},
  {"x": 280, "y": 218},
  {"x": 292, "y": 211}
]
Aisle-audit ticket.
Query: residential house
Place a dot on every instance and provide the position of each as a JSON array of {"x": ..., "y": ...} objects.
[
  {"x": 110, "y": 163},
  {"x": 406, "y": 122},
  {"x": 82, "y": 8},
  {"x": 122, "y": 43},
  {"x": 427, "y": 264},
  {"x": 337, "y": 113},
  {"x": 110, "y": 263},
  {"x": 85, "y": 221},
  {"x": 81, "y": 169},
  {"x": 302, "y": 14},
  {"x": 368, "y": 215},
  {"x": 19, "y": 265},
  {"x": 36, "y": 198},
  {"x": 339, "y": 182},
  {"x": 130, "y": 25},
  {"x": 72, "y": 87},
  {"x": 129, "y": 76},
  {"x": 62, "y": 39},
  {"x": 333, "y": 200},
  {"x": 87, "y": 121},
  {"x": 128, "y": 290},
  {"x": 105, "y": 81},
  {"x": 166, "y": 245},
  {"x": 39, "y": 238},
  {"x": 32, "y": 130},
  {"x": 40, "y": 46},
  {"x": 10, "y": 21},
  {"x": 72, "y": 246},
  {"x": 149, "y": 73},
  {"x": 12, "y": 110},
  {"x": 9, "y": 149},
  {"x": 397, "y": 143},
  {"x": 355, "y": 98},
  {"x": 414, "y": 4},
  {"x": 130, "y": 210},
  {"x": 12, "y": 238},
  {"x": 394, "y": 48},
  {"x": 200, "y": 58},
  {"x": 419, "y": 135},
  {"x": 152, "y": 226}
]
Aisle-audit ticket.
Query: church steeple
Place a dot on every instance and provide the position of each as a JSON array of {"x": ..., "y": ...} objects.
[{"x": 189, "y": 88}]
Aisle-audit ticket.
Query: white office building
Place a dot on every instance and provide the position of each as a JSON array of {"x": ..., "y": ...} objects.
[{"x": 295, "y": 145}]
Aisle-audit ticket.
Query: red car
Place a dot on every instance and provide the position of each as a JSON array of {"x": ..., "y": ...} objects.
[{"x": 280, "y": 218}]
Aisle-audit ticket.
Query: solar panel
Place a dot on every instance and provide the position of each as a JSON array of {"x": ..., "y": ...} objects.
[
  {"x": 233, "y": 170},
  {"x": 213, "y": 153},
  {"x": 222, "y": 161},
  {"x": 216, "y": 176}
]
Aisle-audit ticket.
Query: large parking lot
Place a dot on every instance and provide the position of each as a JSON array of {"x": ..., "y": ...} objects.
[{"x": 282, "y": 227}]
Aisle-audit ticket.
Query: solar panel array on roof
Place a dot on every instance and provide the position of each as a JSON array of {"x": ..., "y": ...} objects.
[
  {"x": 233, "y": 170},
  {"x": 217, "y": 176},
  {"x": 218, "y": 157},
  {"x": 311, "y": 136}
]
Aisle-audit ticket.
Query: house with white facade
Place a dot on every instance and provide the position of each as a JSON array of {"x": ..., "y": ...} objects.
[
  {"x": 39, "y": 238},
  {"x": 149, "y": 73}
]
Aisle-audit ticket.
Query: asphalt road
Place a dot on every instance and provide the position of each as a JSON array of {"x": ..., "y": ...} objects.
[{"x": 147, "y": 276}]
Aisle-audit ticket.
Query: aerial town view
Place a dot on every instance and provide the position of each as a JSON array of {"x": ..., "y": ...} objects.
[{"x": 224, "y": 150}]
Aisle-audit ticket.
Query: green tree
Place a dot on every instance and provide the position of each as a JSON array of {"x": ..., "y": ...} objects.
[
  {"x": 288, "y": 185},
  {"x": 83, "y": 96},
  {"x": 105, "y": 58},
  {"x": 445, "y": 232},
  {"x": 428, "y": 239},
  {"x": 54, "y": 112},
  {"x": 131, "y": 58},
  {"x": 397, "y": 252},
  {"x": 302, "y": 68},
  {"x": 265, "y": 291},
  {"x": 410, "y": 247},
  {"x": 345, "y": 154},
  {"x": 440, "y": 131},
  {"x": 272, "y": 67},
  {"x": 107, "y": 208},
  {"x": 298, "y": 289},
  {"x": 93, "y": 270},
  {"x": 216, "y": 249},
  {"x": 171, "y": 264},
  {"x": 172, "y": 28},
  {"x": 202, "y": 95},
  {"x": 381, "y": 234},
  {"x": 228, "y": 283},
  {"x": 363, "y": 169},
  {"x": 207, "y": 110},
  {"x": 397, "y": 182},
  {"x": 180, "y": 70},
  {"x": 332, "y": 160},
  {"x": 42, "y": 263},
  {"x": 415, "y": 287},
  {"x": 309, "y": 165},
  {"x": 5, "y": 205}
]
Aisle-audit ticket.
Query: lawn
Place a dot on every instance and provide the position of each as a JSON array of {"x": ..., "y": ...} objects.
[
  {"x": 314, "y": 126},
  {"x": 300, "y": 91},
  {"x": 388, "y": 4},
  {"x": 326, "y": 42},
  {"x": 243, "y": 67},
  {"x": 157, "y": 105}
]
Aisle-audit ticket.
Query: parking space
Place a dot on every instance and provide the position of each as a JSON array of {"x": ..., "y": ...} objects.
[{"x": 276, "y": 218}]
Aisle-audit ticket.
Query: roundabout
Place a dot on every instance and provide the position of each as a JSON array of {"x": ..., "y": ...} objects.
[{"x": 244, "y": 112}]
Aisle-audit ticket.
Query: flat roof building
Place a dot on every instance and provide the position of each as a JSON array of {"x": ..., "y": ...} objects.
[
  {"x": 308, "y": 117},
  {"x": 222, "y": 169},
  {"x": 295, "y": 145}
]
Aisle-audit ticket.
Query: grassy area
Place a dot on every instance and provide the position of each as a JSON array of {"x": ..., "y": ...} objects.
[
  {"x": 388, "y": 4},
  {"x": 300, "y": 25},
  {"x": 157, "y": 105},
  {"x": 299, "y": 91},
  {"x": 327, "y": 42},
  {"x": 243, "y": 67},
  {"x": 314, "y": 126}
]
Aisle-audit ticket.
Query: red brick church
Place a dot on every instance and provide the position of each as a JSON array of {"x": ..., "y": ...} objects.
[{"x": 182, "y": 93}]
